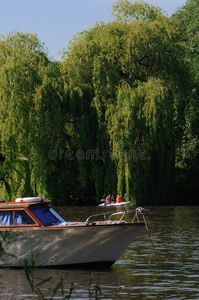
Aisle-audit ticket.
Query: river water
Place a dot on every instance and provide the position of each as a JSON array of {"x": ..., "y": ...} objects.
[{"x": 160, "y": 264}]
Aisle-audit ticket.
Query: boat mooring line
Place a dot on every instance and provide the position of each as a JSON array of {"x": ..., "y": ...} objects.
[{"x": 140, "y": 210}]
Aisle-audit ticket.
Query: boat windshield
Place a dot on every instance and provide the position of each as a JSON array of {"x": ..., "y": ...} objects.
[
  {"x": 57, "y": 215},
  {"x": 43, "y": 213}
]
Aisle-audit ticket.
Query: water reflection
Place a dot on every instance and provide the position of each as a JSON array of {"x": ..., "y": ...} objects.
[{"x": 138, "y": 274}]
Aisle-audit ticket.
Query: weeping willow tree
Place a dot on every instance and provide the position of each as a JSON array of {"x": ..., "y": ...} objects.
[
  {"x": 130, "y": 83},
  {"x": 187, "y": 166},
  {"x": 31, "y": 113},
  {"x": 104, "y": 120}
]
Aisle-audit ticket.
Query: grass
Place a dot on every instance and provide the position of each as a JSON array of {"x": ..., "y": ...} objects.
[{"x": 29, "y": 266}]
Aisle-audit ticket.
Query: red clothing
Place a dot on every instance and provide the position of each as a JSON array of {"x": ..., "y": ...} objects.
[{"x": 119, "y": 198}]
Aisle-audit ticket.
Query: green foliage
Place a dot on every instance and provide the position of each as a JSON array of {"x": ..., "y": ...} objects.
[
  {"x": 141, "y": 132},
  {"x": 134, "y": 71},
  {"x": 31, "y": 106},
  {"x": 124, "y": 10},
  {"x": 187, "y": 172},
  {"x": 19, "y": 167},
  {"x": 30, "y": 266},
  {"x": 187, "y": 18},
  {"x": 96, "y": 289},
  {"x": 112, "y": 116}
]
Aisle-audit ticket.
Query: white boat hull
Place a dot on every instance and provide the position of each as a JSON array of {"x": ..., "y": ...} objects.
[
  {"x": 71, "y": 245},
  {"x": 115, "y": 204}
]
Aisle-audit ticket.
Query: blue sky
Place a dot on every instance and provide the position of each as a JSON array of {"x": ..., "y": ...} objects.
[{"x": 57, "y": 21}]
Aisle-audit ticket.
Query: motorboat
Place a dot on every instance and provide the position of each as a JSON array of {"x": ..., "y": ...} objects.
[
  {"x": 32, "y": 225},
  {"x": 110, "y": 202},
  {"x": 115, "y": 204}
]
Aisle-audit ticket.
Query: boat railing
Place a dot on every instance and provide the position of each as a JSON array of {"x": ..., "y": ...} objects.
[{"x": 138, "y": 212}]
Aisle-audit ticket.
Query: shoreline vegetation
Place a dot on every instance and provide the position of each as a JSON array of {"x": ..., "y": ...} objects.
[{"x": 119, "y": 114}]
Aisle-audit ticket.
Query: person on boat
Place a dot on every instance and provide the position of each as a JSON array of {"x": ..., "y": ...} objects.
[
  {"x": 119, "y": 198},
  {"x": 109, "y": 199}
]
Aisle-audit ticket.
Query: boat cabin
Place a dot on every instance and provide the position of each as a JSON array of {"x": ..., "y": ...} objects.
[{"x": 34, "y": 212}]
